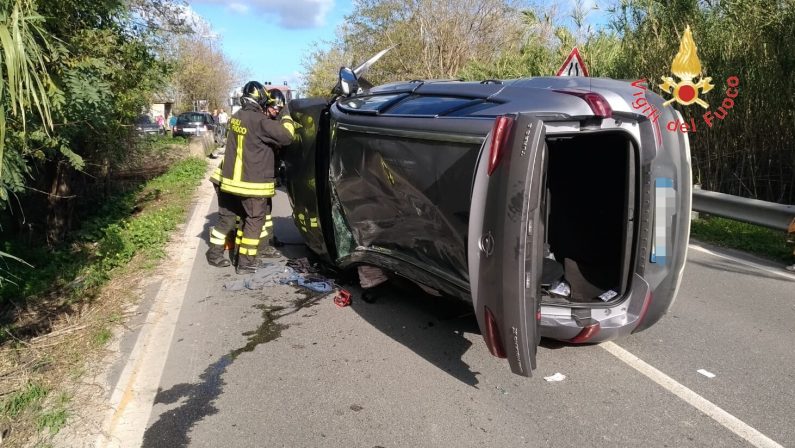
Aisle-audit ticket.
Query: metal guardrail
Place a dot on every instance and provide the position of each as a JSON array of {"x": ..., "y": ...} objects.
[{"x": 752, "y": 211}]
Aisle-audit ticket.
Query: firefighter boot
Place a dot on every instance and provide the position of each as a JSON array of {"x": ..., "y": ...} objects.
[
  {"x": 266, "y": 250},
  {"x": 215, "y": 256},
  {"x": 246, "y": 264}
]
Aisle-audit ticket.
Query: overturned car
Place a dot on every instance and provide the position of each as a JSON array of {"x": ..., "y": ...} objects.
[{"x": 549, "y": 203}]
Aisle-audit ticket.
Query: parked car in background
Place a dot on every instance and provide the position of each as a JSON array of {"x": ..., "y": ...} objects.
[
  {"x": 551, "y": 204},
  {"x": 194, "y": 123},
  {"x": 144, "y": 125}
]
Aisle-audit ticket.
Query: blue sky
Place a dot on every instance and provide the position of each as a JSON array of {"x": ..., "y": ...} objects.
[{"x": 270, "y": 38}]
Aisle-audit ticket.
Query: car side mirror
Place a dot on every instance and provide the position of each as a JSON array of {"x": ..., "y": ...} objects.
[{"x": 348, "y": 81}]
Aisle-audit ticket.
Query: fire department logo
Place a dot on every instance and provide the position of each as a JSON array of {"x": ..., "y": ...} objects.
[{"x": 686, "y": 67}]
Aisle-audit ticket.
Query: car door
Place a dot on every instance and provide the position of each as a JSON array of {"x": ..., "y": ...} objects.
[
  {"x": 506, "y": 239},
  {"x": 306, "y": 184}
]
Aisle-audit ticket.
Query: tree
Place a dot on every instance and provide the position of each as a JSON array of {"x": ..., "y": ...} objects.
[
  {"x": 202, "y": 72},
  {"x": 750, "y": 152},
  {"x": 432, "y": 39},
  {"x": 103, "y": 68},
  {"x": 25, "y": 85}
]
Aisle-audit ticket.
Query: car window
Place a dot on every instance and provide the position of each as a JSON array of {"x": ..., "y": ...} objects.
[
  {"x": 427, "y": 105},
  {"x": 144, "y": 119},
  {"x": 471, "y": 109},
  {"x": 191, "y": 117},
  {"x": 369, "y": 103}
]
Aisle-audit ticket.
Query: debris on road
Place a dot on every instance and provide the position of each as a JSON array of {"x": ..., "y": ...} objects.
[
  {"x": 342, "y": 299},
  {"x": 302, "y": 266},
  {"x": 706, "y": 373},
  {"x": 269, "y": 275},
  {"x": 554, "y": 378},
  {"x": 371, "y": 276}
]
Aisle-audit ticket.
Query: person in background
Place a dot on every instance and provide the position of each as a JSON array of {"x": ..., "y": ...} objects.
[
  {"x": 172, "y": 121},
  {"x": 223, "y": 119}
]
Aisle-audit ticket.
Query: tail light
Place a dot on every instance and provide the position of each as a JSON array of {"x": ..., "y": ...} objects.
[
  {"x": 643, "y": 311},
  {"x": 499, "y": 140},
  {"x": 598, "y": 104},
  {"x": 588, "y": 332},
  {"x": 492, "y": 336}
]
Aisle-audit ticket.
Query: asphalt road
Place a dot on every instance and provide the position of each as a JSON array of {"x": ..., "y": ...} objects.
[{"x": 279, "y": 368}]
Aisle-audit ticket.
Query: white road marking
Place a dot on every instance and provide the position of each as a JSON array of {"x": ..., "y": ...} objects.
[
  {"x": 767, "y": 269},
  {"x": 727, "y": 420},
  {"x": 134, "y": 393}
]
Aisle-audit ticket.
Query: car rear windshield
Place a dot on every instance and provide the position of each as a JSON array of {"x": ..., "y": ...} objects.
[
  {"x": 427, "y": 105},
  {"x": 369, "y": 103},
  {"x": 191, "y": 118}
]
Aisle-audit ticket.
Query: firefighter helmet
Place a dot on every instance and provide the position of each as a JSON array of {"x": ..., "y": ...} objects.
[
  {"x": 256, "y": 92},
  {"x": 277, "y": 98}
]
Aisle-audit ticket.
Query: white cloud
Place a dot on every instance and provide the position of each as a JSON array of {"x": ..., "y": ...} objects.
[
  {"x": 287, "y": 13},
  {"x": 238, "y": 7}
]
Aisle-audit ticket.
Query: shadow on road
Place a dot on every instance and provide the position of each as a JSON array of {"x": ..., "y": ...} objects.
[{"x": 432, "y": 327}]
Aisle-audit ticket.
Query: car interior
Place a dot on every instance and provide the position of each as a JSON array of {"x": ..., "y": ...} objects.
[{"x": 589, "y": 187}]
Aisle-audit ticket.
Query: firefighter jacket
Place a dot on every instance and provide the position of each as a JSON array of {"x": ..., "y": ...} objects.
[{"x": 248, "y": 166}]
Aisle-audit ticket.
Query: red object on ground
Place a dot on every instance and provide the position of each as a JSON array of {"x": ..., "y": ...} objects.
[{"x": 343, "y": 298}]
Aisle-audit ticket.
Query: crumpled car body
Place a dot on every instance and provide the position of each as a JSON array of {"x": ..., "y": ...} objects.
[{"x": 551, "y": 204}]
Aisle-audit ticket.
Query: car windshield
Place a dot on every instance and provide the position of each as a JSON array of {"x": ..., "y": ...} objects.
[{"x": 143, "y": 119}]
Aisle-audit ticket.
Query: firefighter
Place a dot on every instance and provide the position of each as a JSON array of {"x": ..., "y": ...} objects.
[
  {"x": 268, "y": 246},
  {"x": 247, "y": 174}
]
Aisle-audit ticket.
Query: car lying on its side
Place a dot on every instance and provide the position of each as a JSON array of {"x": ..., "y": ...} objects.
[{"x": 549, "y": 203}]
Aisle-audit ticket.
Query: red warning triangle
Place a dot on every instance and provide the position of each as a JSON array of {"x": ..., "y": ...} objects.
[{"x": 573, "y": 66}]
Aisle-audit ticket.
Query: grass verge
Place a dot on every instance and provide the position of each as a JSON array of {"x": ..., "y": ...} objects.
[
  {"x": 65, "y": 307},
  {"x": 738, "y": 235}
]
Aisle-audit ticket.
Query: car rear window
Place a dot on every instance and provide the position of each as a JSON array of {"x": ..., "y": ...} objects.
[
  {"x": 191, "y": 118},
  {"x": 427, "y": 105},
  {"x": 471, "y": 109}
]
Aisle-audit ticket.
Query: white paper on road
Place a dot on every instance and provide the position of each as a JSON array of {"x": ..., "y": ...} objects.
[
  {"x": 706, "y": 373},
  {"x": 556, "y": 377}
]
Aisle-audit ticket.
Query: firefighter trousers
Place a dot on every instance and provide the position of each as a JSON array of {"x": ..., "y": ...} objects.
[{"x": 252, "y": 212}]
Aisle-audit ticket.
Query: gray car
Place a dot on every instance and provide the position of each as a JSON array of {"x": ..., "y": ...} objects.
[
  {"x": 551, "y": 204},
  {"x": 194, "y": 123}
]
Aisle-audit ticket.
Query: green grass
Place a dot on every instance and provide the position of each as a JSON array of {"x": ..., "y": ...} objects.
[
  {"x": 102, "y": 336},
  {"x": 749, "y": 238},
  {"x": 121, "y": 227},
  {"x": 127, "y": 225},
  {"x": 17, "y": 402},
  {"x": 55, "y": 418}
]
